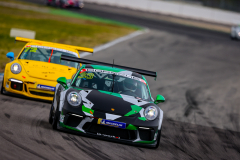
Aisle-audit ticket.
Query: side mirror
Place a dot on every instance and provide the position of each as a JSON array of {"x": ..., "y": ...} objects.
[
  {"x": 10, "y": 55},
  {"x": 159, "y": 99},
  {"x": 63, "y": 82}
]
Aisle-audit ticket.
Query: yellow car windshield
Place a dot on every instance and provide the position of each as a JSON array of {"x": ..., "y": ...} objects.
[{"x": 48, "y": 54}]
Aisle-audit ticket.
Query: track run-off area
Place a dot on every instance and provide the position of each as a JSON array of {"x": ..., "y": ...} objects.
[{"x": 198, "y": 74}]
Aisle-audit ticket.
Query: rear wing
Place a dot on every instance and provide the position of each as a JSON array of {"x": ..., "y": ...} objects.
[
  {"x": 65, "y": 45},
  {"x": 86, "y": 61}
]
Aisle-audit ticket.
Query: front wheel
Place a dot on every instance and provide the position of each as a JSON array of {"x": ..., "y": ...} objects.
[
  {"x": 55, "y": 119},
  {"x": 158, "y": 139},
  {"x": 2, "y": 88},
  {"x": 50, "y": 118},
  {"x": 232, "y": 38}
]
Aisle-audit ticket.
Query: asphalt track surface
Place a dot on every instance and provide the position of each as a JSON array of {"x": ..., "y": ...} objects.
[{"x": 198, "y": 74}]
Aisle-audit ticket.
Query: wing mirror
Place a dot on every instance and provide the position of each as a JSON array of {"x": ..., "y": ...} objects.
[
  {"x": 159, "y": 99},
  {"x": 10, "y": 55},
  {"x": 63, "y": 82}
]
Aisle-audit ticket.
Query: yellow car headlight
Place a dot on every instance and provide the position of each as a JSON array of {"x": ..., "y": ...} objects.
[{"x": 16, "y": 68}]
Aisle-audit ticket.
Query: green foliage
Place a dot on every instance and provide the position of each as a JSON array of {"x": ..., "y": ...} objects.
[{"x": 54, "y": 28}]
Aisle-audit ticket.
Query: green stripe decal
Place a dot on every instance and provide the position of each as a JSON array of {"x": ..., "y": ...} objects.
[
  {"x": 142, "y": 118},
  {"x": 135, "y": 109},
  {"x": 112, "y": 69},
  {"x": 76, "y": 88},
  {"x": 111, "y": 93},
  {"x": 63, "y": 125},
  {"x": 131, "y": 127},
  {"x": 88, "y": 110}
]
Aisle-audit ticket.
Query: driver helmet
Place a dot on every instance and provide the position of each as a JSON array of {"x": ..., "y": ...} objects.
[{"x": 129, "y": 85}]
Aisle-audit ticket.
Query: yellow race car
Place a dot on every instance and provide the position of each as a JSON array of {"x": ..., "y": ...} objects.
[{"x": 35, "y": 70}]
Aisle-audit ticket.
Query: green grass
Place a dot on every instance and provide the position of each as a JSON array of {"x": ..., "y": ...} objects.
[{"x": 55, "y": 28}]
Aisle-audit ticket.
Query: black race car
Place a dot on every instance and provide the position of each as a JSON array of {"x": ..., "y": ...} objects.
[{"x": 108, "y": 101}]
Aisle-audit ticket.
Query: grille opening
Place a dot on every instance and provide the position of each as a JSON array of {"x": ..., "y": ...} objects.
[
  {"x": 117, "y": 132},
  {"x": 146, "y": 134},
  {"x": 16, "y": 86},
  {"x": 72, "y": 121},
  {"x": 41, "y": 94}
]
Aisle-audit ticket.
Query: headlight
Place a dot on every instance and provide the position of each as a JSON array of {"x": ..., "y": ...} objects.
[
  {"x": 74, "y": 99},
  {"x": 16, "y": 68},
  {"x": 151, "y": 113}
]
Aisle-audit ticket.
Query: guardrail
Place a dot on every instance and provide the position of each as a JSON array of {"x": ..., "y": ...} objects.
[{"x": 176, "y": 9}]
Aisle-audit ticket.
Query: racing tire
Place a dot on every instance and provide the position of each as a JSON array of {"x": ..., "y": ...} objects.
[
  {"x": 50, "y": 119},
  {"x": 232, "y": 38},
  {"x": 2, "y": 88},
  {"x": 55, "y": 120},
  {"x": 158, "y": 139}
]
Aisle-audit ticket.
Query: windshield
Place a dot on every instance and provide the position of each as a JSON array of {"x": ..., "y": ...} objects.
[
  {"x": 103, "y": 80},
  {"x": 48, "y": 54}
]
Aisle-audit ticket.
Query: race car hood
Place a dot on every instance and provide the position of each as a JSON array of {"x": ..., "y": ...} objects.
[
  {"x": 113, "y": 103},
  {"x": 47, "y": 71}
]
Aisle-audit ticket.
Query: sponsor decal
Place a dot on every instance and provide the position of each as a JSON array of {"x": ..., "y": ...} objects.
[
  {"x": 115, "y": 73},
  {"x": 109, "y": 136},
  {"x": 45, "y": 87},
  {"x": 32, "y": 49},
  {"x": 85, "y": 75},
  {"x": 111, "y": 123}
]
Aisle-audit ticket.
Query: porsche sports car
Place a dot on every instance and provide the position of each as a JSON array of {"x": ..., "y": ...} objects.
[
  {"x": 66, "y": 3},
  {"x": 235, "y": 32},
  {"x": 108, "y": 101},
  {"x": 35, "y": 70}
]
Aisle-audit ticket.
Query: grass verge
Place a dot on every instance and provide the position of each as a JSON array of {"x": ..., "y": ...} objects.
[{"x": 57, "y": 26}]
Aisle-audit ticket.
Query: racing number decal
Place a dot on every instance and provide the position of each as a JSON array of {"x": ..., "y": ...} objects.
[
  {"x": 32, "y": 49},
  {"x": 86, "y": 75}
]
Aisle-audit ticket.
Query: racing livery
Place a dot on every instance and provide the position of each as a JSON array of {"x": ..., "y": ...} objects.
[
  {"x": 109, "y": 103},
  {"x": 35, "y": 70}
]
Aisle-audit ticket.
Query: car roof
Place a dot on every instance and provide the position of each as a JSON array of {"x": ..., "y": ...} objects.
[{"x": 113, "y": 69}]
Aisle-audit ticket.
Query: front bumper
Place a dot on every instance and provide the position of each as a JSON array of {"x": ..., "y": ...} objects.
[
  {"x": 28, "y": 87},
  {"x": 89, "y": 126}
]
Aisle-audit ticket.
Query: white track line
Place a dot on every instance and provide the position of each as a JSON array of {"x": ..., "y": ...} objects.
[{"x": 112, "y": 43}]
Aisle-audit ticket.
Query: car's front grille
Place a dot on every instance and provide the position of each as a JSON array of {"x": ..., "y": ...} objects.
[
  {"x": 17, "y": 86},
  {"x": 72, "y": 121},
  {"x": 41, "y": 94},
  {"x": 111, "y": 131},
  {"x": 146, "y": 134}
]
